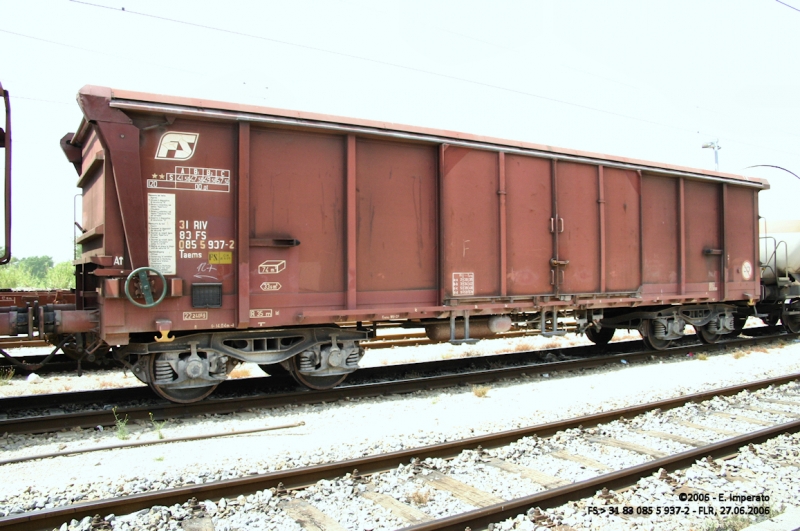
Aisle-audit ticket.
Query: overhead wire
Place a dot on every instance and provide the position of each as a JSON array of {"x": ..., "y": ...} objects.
[
  {"x": 99, "y": 52},
  {"x": 15, "y": 97},
  {"x": 381, "y": 62},
  {"x": 411, "y": 68},
  {"x": 787, "y": 5},
  {"x": 384, "y": 63},
  {"x": 672, "y": 101}
]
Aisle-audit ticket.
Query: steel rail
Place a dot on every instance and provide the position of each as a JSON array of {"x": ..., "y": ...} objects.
[
  {"x": 137, "y": 444},
  {"x": 22, "y": 341},
  {"x": 166, "y": 410},
  {"x": 481, "y": 518},
  {"x": 302, "y": 477},
  {"x": 65, "y": 364},
  {"x": 246, "y": 385}
]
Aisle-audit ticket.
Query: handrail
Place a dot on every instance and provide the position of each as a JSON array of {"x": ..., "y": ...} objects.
[
  {"x": 773, "y": 258},
  {"x": 7, "y": 145}
]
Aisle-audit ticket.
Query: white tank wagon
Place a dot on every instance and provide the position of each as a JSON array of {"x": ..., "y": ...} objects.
[{"x": 779, "y": 244}]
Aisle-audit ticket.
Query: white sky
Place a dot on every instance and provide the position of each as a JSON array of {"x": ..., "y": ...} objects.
[{"x": 639, "y": 78}]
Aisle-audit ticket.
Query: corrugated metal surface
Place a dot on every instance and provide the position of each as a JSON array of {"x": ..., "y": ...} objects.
[{"x": 316, "y": 223}]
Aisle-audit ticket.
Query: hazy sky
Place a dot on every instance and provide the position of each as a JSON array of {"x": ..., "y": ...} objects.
[{"x": 646, "y": 79}]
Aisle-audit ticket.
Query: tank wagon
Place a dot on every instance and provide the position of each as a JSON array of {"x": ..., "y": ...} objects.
[
  {"x": 215, "y": 233},
  {"x": 780, "y": 272}
]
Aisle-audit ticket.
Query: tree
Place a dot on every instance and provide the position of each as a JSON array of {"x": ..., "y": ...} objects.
[
  {"x": 37, "y": 266},
  {"x": 60, "y": 276},
  {"x": 37, "y": 272}
]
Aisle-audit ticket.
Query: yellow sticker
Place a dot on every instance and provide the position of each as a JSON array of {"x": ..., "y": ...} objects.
[{"x": 220, "y": 258}]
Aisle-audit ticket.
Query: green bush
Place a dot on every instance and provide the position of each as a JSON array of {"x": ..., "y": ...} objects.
[{"x": 37, "y": 272}]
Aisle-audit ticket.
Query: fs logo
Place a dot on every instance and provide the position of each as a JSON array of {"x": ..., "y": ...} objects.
[{"x": 177, "y": 146}]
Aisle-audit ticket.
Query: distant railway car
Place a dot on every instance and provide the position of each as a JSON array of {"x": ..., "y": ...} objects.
[
  {"x": 21, "y": 298},
  {"x": 216, "y": 233}
]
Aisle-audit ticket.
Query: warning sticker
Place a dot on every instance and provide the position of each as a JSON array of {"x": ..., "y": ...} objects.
[
  {"x": 463, "y": 284},
  {"x": 747, "y": 270},
  {"x": 220, "y": 257},
  {"x": 161, "y": 232}
]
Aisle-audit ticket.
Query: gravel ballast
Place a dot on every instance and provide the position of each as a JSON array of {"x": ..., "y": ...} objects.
[{"x": 360, "y": 427}]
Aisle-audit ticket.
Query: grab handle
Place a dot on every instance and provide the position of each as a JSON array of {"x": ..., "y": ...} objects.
[{"x": 5, "y": 139}]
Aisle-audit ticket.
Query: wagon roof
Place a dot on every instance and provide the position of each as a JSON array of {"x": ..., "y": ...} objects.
[{"x": 217, "y": 110}]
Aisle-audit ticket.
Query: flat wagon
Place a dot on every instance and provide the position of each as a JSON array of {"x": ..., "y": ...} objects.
[{"x": 215, "y": 233}]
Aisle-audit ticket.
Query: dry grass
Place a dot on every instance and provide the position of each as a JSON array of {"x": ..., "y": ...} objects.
[
  {"x": 6, "y": 373},
  {"x": 742, "y": 353},
  {"x": 702, "y": 356},
  {"x": 552, "y": 345},
  {"x": 525, "y": 345},
  {"x": 481, "y": 391},
  {"x": 420, "y": 497}
]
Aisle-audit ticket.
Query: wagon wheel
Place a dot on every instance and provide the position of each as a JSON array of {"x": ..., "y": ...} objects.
[
  {"x": 602, "y": 337},
  {"x": 320, "y": 383},
  {"x": 772, "y": 319},
  {"x": 738, "y": 324},
  {"x": 705, "y": 336},
  {"x": 647, "y": 329},
  {"x": 179, "y": 396},
  {"x": 792, "y": 322}
]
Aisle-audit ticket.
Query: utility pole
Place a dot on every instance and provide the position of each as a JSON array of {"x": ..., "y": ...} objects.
[{"x": 716, "y": 147}]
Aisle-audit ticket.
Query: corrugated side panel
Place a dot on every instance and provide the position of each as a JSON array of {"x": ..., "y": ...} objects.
[
  {"x": 579, "y": 232},
  {"x": 703, "y": 239},
  {"x": 397, "y": 247},
  {"x": 740, "y": 237},
  {"x": 297, "y": 191},
  {"x": 622, "y": 230},
  {"x": 189, "y": 177},
  {"x": 661, "y": 236},
  {"x": 470, "y": 223},
  {"x": 529, "y": 201}
]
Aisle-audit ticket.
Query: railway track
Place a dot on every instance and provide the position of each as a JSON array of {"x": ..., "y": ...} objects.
[
  {"x": 367, "y": 382},
  {"x": 437, "y": 466},
  {"x": 22, "y": 342},
  {"x": 62, "y": 363}
]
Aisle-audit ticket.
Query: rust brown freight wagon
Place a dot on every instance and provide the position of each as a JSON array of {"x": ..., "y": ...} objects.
[{"x": 215, "y": 233}]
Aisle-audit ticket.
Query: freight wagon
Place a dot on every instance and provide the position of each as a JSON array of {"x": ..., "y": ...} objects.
[{"x": 216, "y": 233}]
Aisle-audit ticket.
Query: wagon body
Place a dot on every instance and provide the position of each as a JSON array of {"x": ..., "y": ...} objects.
[{"x": 264, "y": 218}]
